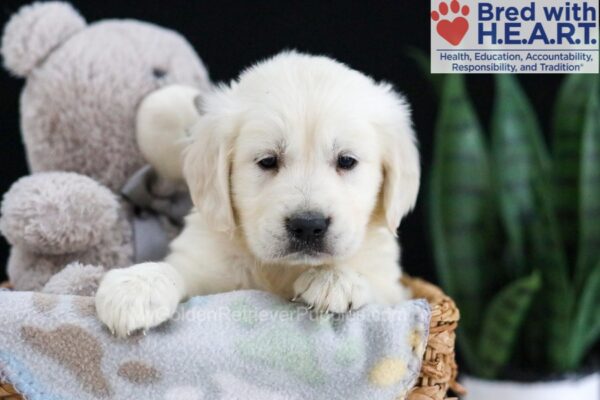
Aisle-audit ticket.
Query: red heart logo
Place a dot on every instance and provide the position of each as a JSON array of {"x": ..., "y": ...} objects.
[{"x": 453, "y": 31}]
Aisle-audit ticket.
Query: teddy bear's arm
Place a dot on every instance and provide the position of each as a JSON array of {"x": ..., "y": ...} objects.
[{"x": 57, "y": 213}]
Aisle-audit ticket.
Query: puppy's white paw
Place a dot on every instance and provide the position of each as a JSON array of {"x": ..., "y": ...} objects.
[
  {"x": 138, "y": 297},
  {"x": 332, "y": 290}
]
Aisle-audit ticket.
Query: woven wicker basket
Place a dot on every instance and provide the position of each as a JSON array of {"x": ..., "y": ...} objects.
[
  {"x": 439, "y": 369},
  {"x": 438, "y": 372}
]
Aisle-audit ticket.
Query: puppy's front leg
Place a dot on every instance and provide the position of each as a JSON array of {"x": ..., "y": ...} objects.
[
  {"x": 145, "y": 295},
  {"x": 139, "y": 297},
  {"x": 330, "y": 289},
  {"x": 372, "y": 275}
]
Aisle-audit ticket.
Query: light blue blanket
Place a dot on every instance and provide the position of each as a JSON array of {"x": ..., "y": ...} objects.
[{"x": 239, "y": 345}]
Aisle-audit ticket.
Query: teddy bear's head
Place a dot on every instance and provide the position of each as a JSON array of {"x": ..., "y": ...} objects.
[{"x": 84, "y": 84}]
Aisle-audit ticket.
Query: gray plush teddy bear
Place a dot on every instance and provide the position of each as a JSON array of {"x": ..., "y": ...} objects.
[{"x": 96, "y": 108}]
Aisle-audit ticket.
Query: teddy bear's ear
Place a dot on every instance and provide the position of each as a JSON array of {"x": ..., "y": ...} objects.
[{"x": 34, "y": 31}]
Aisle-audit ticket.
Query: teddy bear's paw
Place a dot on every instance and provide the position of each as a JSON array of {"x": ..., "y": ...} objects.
[
  {"x": 138, "y": 297},
  {"x": 332, "y": 290}
]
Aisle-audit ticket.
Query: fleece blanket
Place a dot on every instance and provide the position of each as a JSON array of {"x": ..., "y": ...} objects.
[{"x": 239, "y": 345}]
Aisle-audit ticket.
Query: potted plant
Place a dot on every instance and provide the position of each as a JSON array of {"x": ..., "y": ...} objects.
[{"x": 516, "y": 236}]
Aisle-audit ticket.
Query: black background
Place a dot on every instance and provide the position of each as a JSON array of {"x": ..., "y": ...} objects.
[{"x": 371, "y": 36}]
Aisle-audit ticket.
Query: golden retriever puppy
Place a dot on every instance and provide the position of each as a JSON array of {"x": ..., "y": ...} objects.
[{"x": 300, "y": 172}]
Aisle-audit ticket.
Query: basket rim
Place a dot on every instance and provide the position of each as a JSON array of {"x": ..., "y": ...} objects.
[{"x": 439, "y": 370}]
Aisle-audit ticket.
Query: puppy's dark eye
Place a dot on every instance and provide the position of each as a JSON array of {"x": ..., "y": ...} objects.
[
  {"x": 158, "y": 72},
  {"x": 346, "y": 162},
  {"x": 270, "y": 162}
]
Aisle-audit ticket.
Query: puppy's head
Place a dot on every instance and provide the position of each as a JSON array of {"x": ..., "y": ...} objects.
[{"x": 300, "y": 155}]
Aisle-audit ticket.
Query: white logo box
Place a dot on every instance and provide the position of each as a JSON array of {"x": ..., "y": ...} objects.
[{"x": 514, "y": 36}]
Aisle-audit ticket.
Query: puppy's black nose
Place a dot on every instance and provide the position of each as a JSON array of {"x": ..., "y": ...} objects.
[{"x": 307, "y": 227}]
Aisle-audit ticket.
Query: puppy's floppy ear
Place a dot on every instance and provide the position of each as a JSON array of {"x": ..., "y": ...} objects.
[
  {"x": 401, "y": 165},
  {"x": 207, "y": 163}
]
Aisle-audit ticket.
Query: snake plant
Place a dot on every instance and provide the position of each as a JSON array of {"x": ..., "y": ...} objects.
[{"x": 516, "y": 225}]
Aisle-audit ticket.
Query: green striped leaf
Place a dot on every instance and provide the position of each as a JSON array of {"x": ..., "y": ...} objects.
[
  {"x": 519, "y": 157},
  {"x": 589, "y": 212},
  {"x": 461, "y": 211},
  {"x": 521, "y": 164},
  {"x": 503, "y": 319},
  {"x": 424, "y": 63},
  {"x": 558, "y": 297},
  {"x": 586, "y": 331},
  {"x": 569, "y": 122}
]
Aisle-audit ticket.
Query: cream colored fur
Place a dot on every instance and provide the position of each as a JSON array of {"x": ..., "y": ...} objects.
[{"x": 307, "y": 111}]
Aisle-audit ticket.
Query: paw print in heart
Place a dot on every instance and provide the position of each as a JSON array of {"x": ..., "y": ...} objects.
[{"x": 452, "y": 30}]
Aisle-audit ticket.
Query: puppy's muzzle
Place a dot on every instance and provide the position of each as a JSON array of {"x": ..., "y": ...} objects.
[{"x": 307, "y": 231}]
